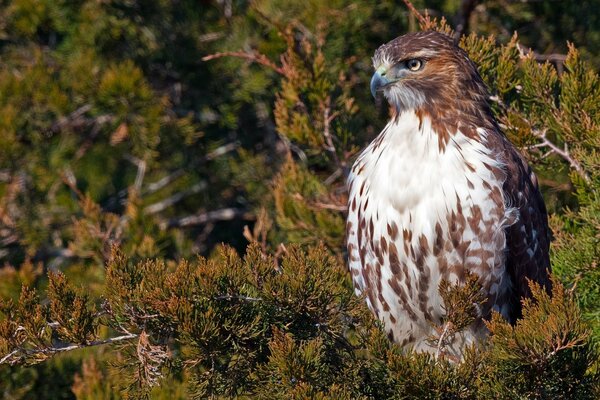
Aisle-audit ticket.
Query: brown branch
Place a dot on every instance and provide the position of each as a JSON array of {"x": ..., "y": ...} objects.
[
  {"x": 210, "y": 37},
  {"x": 415, "y": 12},
  {"x": 254, "y": 57}
]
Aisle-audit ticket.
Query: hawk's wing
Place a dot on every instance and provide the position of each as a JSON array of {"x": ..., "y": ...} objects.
[{"x": 528, "y": 239}]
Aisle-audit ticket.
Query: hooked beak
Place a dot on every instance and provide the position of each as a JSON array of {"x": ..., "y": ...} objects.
[{"x": 378, "y": 82}]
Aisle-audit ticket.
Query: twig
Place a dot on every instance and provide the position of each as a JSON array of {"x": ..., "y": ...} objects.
[
  {"x": 336, "y": 174},
  {"x": 210, "y": 37},
  {"x": 415, "y": 12},
  {"x": 326, "y": 133},
  {"x": 68, "y": 177},
  {"x": 557, "y": 59},
  {"x": 141, "y": 172},
  {"x": 554, "y": 57},
  {"x": 173, "y": 176},
  {"x": 161, "y": 183},
  {"x": 564, "y": 153},
  {"x": 54, "y": 350},
  {"x": 442, "y": 338},
  {"x": 69, "y": 119},
  {"x": 169, "y": 201},
  {"x": 334, "y": 207},
  {"x": 244, "y": 298},
  {"x": 225, "y": 214},
  {"x": 541, "y": 134},
  {"x": 254, "y": 57},
  {"x": 9, "y": 355},
  {"x": 97, "y": 123},
  {"x": 116, "y": 339}
]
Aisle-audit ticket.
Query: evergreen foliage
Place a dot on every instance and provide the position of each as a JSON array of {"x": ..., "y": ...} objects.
[
  {"x": 135, "y": 135},
  {"x": 261, "y": 327}
]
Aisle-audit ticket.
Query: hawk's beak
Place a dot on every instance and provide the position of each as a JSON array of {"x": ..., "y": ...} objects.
[{"x": 378, "y": 82}]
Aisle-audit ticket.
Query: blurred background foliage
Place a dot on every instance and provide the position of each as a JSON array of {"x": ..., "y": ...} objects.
[{"x": 170, "y": 126}]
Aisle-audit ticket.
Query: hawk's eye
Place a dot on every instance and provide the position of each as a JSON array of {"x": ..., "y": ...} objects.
[{"x": 414, "y": 64}]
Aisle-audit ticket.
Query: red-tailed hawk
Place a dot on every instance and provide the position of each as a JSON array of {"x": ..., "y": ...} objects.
[{"x": 440, "y": 192}]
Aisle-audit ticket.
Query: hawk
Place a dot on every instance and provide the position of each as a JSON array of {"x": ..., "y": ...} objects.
[{"x": 440, "y": 192}]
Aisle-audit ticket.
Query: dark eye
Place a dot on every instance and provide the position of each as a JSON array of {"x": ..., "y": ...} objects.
[{"x": 414, "y": 64}]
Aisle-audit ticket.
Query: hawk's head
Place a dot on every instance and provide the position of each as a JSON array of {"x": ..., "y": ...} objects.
[{"x": 426, "y": 70}]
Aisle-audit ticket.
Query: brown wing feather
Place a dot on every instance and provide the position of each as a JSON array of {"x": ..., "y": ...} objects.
[{"x": 528, "y": 239}]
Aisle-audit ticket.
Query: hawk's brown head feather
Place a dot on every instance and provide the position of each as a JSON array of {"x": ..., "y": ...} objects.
[{"x": 446, "y": 84}]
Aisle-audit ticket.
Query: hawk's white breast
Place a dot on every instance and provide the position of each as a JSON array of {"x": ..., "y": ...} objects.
[{"x": 407, "y": 192}]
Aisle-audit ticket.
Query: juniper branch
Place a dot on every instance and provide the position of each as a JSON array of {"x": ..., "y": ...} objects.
[{"x": 49, "y": 351}]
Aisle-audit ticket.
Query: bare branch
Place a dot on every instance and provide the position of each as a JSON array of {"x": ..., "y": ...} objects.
[
  {"x": 254, "y": 57},
  {"x": 415, "y": 12},
  {"x": 210, "y": 37},
  {"x": 336, "y": 174},
  {"x": 96, "y": 124},
  {"x": 441, "y": 340},
  {"x": 169, "y": 201},
  {"x": 244, "y": 298},
  {"x": 557, "y": 59},
  {"x": 141, "y": 172},
  {"x": 333, "y": 207},
  {"x": 563, "y": 153},
  {"x": 9, "y": 358},
  {"x": 554, "y": 149},
  {"x": 75, "y": 116},
  {"x": 153, "y": 187},
  {"x": 327, "y": 119},
  {"x": 225, "y": 214},
  {"x": 161, "y": 183}
]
